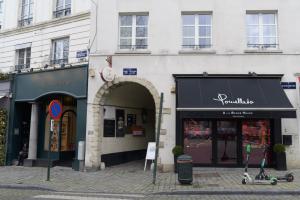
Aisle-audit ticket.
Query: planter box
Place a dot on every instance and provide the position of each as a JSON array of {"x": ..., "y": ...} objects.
[{"x": 280, "y": 161}]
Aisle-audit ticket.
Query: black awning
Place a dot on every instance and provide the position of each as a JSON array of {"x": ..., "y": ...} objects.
[{"x": 233, "y": 94}]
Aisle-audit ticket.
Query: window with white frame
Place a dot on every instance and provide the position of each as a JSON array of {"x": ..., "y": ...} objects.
[
  {"x": 60, "y": 51},
  {"x": 23, "y": 58},
  {"x": 196, "y": 31},
  {"x": 133, "y": 32},
  {"x": 26, "y": 12},
  {"x": 262, "y": 30},
  {"x": 62, "y": 8},
  {"x": 1, "y": 13}
]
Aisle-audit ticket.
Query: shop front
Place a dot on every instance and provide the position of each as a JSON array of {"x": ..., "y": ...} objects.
[
  {"x": 218, "y": 115},
  {"x": 30, "y": 119}
]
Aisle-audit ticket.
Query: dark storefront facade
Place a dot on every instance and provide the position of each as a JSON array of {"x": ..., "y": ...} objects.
[
  {"x": 30, "y": 121},
  {"x": 218, "y": 115}
]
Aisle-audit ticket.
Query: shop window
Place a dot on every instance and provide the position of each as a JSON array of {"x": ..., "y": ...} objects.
[
  {"x": 198, "y": 140},
  {"x": 258, "y": 134},
  {"x": 26, "y": 16},
  {"x": 262, "y": 30},
  {"x": 60, "y": 52},
  {"x": 23, "y": 58},
  {"x": 133, "y": 32},
  {"x": 196, "y": 31},
  {"x": 63, "y": 8}
]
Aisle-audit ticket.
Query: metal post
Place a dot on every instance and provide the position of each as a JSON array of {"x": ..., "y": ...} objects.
[
  {"x": 157, "y": 136},
  {"x": 49, "y": 148}
]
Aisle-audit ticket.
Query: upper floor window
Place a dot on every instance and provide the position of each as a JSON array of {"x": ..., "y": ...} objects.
[
  {"x": 60, "y": 51},
  {"x": 23, "y": 58},
  {"x": 197, "y": 31},
  {"x": 1, "y": 13},
  {"x": 63, "y": 8},
  {"x": 262, "y": 30},
  {"x": 133, "y": 32},
  {"x": 26, "y": 12}
]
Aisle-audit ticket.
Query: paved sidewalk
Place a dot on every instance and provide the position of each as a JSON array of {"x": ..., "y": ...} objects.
[{"x": 130, "y": 178}]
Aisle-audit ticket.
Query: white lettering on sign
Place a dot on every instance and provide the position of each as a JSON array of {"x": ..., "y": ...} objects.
[{"x": 224, "y": 100}]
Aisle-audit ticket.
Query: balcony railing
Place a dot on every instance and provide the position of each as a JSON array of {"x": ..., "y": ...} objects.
[
  {"x": 59, "y": 61},
  {"x": 21, "y": 66},
  {"x": 133, "y": 47},
  {"x": 25, "y": 21},
  {"x": 262, "y": 46},
  {"x": 196, "y": 46},
  {"x": 62, "y": 12}
]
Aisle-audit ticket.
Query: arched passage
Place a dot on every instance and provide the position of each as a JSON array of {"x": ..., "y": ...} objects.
[{"x": 131, "y": 98}]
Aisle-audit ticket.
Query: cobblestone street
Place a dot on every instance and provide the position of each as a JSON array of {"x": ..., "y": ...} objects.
[{"x": 131, "y": 179}]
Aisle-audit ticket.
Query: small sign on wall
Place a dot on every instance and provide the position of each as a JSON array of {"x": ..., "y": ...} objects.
[
  {"x": 129, "y": 71},
  {"x": 288, "y": 85}
]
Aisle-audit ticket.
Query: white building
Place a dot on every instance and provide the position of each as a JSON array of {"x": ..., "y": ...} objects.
[
  {"x": 44, "y": 45},
  {"x": 42, "y": 32},
  {"x": 219, "y": 65}
]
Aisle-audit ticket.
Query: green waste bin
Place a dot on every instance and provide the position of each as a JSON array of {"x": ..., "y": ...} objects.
[{"x": 185, "y": 169}]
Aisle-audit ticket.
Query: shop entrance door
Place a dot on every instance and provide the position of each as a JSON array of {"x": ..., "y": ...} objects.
[{"x": 227, "y": 142}]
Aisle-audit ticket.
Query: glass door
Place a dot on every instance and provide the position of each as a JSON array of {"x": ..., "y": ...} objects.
[
  {"x": 227, "y": 142},
  {"x": 198, "y": 140}
]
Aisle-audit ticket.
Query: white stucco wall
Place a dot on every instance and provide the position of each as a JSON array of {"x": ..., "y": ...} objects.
[{"x": 227, "y": 55}]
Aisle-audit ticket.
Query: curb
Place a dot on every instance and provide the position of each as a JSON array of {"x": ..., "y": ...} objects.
[
  {"x": 232, "y": 192},
  {"x": 26, "y": 188}
]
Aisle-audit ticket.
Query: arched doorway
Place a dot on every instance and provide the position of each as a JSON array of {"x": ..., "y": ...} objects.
[{"x": 124, "y": 113}]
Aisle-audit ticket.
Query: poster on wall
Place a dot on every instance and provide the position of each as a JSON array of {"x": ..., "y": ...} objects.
[
  {"x": 109, "y": 128},
  {"x": 120, "y": 129},
  {"x": 131, "y": 121}
]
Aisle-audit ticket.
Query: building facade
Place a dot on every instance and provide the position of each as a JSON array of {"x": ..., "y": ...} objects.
[
  {"x": 228, "y": 71},
  {"x": 45, "y": 49}
]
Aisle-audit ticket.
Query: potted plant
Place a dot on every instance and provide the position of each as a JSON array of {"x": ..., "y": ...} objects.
[
  {"x": 280, "y": 156},
  {"x": 177, "y": 151}
]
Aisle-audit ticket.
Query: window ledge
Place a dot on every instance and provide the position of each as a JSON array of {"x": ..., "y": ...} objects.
[
  {"x": 199, "y": 51},
  {"x": 263, "y": 51},
  {"x": 127, "y": 51}
]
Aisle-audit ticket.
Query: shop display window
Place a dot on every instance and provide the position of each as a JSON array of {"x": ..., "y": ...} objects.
[
  {"x": 198, "y": 140},
  {"x": 257, "y": 133}
]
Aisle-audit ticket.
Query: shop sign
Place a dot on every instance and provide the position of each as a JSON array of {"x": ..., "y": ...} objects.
[
  {"x": 129, "y": 71},
  {"x": 223, "y": 98},
  {"x": 237, "y": 114},
  {"x": 288, "y": 85},
  {"x": 81, "y": 54}
]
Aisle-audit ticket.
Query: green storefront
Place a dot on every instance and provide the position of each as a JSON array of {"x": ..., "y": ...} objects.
[{"x": 29, "y": 122}]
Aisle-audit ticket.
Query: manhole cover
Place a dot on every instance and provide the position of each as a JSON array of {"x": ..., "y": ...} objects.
[{"x": 206, "y": 175}]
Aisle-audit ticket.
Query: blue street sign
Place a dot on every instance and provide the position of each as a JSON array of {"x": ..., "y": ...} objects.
[
  {"x": 129, "y": 71},
  {"x": 288, "y": 85},
  {"x": 81, "y": 54}
]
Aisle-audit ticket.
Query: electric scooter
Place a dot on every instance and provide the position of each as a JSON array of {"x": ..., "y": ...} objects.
[
  {"x": 247, "y": 178},
  {"x": 289, "y": 177}
]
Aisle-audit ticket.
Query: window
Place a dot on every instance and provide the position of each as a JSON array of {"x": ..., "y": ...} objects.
[
  {"x": 133, "y": 32},
  {"x": 60, "y": 51},
  {"x": 63, "y": 8},
  {"x": 1, "y": 13},
  {"x": 197, "y": 31},
  {"x": 26, "y": 12},
  {"x": 23, "y": 58},
  {"x": 262, "y": 30}
]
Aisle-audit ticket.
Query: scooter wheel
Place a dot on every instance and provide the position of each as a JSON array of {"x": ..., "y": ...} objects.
[
  {"x": 244, "y": 182},
  {"x": 290, "y": 178},
  {"x": 274, "y": 182}
]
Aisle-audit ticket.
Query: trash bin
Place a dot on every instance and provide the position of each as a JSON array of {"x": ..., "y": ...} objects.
[{"x": 185, "y": 169}]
